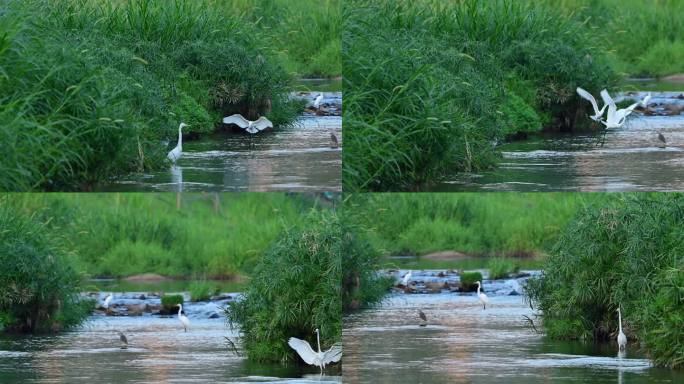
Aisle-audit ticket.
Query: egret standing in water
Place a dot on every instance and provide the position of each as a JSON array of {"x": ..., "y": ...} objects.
[
  {"x": 177, "y": 152},
  {"x": 621, "y": 339},
  {"x": 406, "y": 279},
  {"x": 320, "y": 358},
  {"x": 106, "y": 302},
  {"x": 646, "y": 100},
  {"x": 598, "y": 113},
  {"x": 483, "y": 298},
  {"x": 248, "y": 125},
  {"x": 183, "y": 319},
  {"x": 318, "y": 101},
  {"x": 123, "y": 340}
]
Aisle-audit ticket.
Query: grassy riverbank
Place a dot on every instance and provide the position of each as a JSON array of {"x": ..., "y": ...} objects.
[
  {"x": 625, "y": 252},
  {"x": 642, "y": 37},
  {"x": 429, "y": 86},
  {"x": 490, "y": 224},
  {"x": 92, "y": 89},
  {"x": 127, "y": 234}
]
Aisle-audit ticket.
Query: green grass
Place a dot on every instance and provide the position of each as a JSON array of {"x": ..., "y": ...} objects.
[
  {"x": 170, "y": 302},
  {"x": 486, "y": 225},
  {"x": 38, "y": 282},
  {"x": 202, "y": 290},
  {"x": 119, "y": 235},
  {"x": 643, "y": 37},
  {"x": 501, "y": 267},
  {"x": 91, "y": 89},
  {"x": 430, "y": 85},
  {"x": 469, "y": 263},
  {"x": 623, "y": 252},
  {"x": 294, "y": 290},
  {"x": 468, "y": 280}
]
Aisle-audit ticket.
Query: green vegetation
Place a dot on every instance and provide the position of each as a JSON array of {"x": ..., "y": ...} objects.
[
  {"x": 38, "y": 284},
  {"x": 202, "y": 290},
  {"x": 501, "y": 267},
  {"x": 294, "y": 289},
  {"x": 306, "y": 34},
  {"x": 625, "y": 252},
  {"x": 642, "y": 37},
  {"x": 170, "y": 302},
  {"x": 476, "y": 224},
  {"x": 429, "y": 85},
  {"x": 468, "y": 280},
  {"x": 91, "y": 89},
  {"x": 212, "y": 235}
]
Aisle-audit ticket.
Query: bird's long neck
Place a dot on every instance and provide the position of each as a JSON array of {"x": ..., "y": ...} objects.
[
  {"x": 478, "y": 289},
  {"x": 318, "y": 341},
  {"x": 180, "y": 309},
  {"x": 180, "y": 136},
  {"x": 620, "y": 320}
]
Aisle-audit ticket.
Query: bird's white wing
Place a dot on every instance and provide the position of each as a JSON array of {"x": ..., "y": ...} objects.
[
  {"x": 587, "y": 96},
  {"x": 332, "y": 355},
  {"x": 303, "y": 348},
  {"x": 484, "y": 298},
  {"x": 608, "y": 100},
  {"x": 236, "y": 119},
  {"x": 262, "y": 123}
]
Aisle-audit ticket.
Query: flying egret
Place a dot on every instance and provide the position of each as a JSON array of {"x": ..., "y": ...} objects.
[
  {"x": 318, "y": 101},
  {"x": 598, "y": 113},
  {"x": 123, "y": 340},
  {"x": 615, "y": 117},
  {"x": 106, "y": 302},
  {"x": 250, "y": 126},
  {"x": 406, "y": 279},
  {"x": 177, "y": 152},
  {"x": 621, "y": 339},
  {"x": 183, "y": 319},
  {"x": 320, "y": 358},
  {"x": 483, "y": 298},
  {"x": 422, "y": 316},
  {"x": 333, "y": 141}
]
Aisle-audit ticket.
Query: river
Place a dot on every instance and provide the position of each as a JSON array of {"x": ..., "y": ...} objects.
[{"x": 462, "y": 343}]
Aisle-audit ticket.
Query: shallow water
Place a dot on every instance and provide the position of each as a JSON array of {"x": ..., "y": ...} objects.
[
  {"x": 159, "y": 351},
  {"x": 624, "y": 159},
  {"x": 463, "y": 343},
  {"x": 295, "y": 159}
]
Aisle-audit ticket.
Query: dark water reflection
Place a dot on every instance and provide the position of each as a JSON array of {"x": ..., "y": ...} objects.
[
  {"x": 465, "y": 344},
  {"x": 159, "y": 352}
]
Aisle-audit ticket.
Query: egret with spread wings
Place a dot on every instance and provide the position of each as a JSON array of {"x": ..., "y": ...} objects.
[
  {"x": 320, "y": 358},
  {"x": 250, "y": 126}
]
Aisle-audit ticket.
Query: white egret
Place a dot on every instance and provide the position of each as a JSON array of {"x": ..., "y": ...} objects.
[
  {"x": 646, "y": 100},
  {"x": 106, "y": 302},
  {"x": 177, "y": 152},
  {"x": 318, "y": 101},
  {"x": 483, "y": 298},
  {"x": 183, "y": 319},
  {"x": 621, "y": 339},
  {"x": 250, "y": 126},
  {"x": 598, "y": 113},
  {"x": 333, "y": 141},
  {"x": 123, "y": 340},
  {"x": 615, "y": 117},
  {"x": 320, "y": 358},
  {"x": 406, "y": 279}
]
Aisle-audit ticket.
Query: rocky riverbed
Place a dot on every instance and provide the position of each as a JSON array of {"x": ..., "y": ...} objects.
[
  {"x": 331, "y": 105},
  {"x": 149, "y": 303},
  {"x": 449, "y": 280}
]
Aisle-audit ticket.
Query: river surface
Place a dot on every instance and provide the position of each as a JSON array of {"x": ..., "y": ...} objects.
[
  {"x": 462, "y": 343},
  {"x": 625, "y": 159},
  {"x": 159, "y": 352}
]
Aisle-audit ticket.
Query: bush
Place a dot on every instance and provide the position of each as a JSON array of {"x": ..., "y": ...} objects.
[
  {"x": 501, "y": 268},
  {"x": 294, "y": 289},
  {"x": 170, "y": 302},
  {"x": 627, "y": 253},
  {"x": 429, "y": 85},
  {"x": 38, "y": 284},
  {"x": 202, "y": 290},
  {"x": 468, "y": 280}
]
